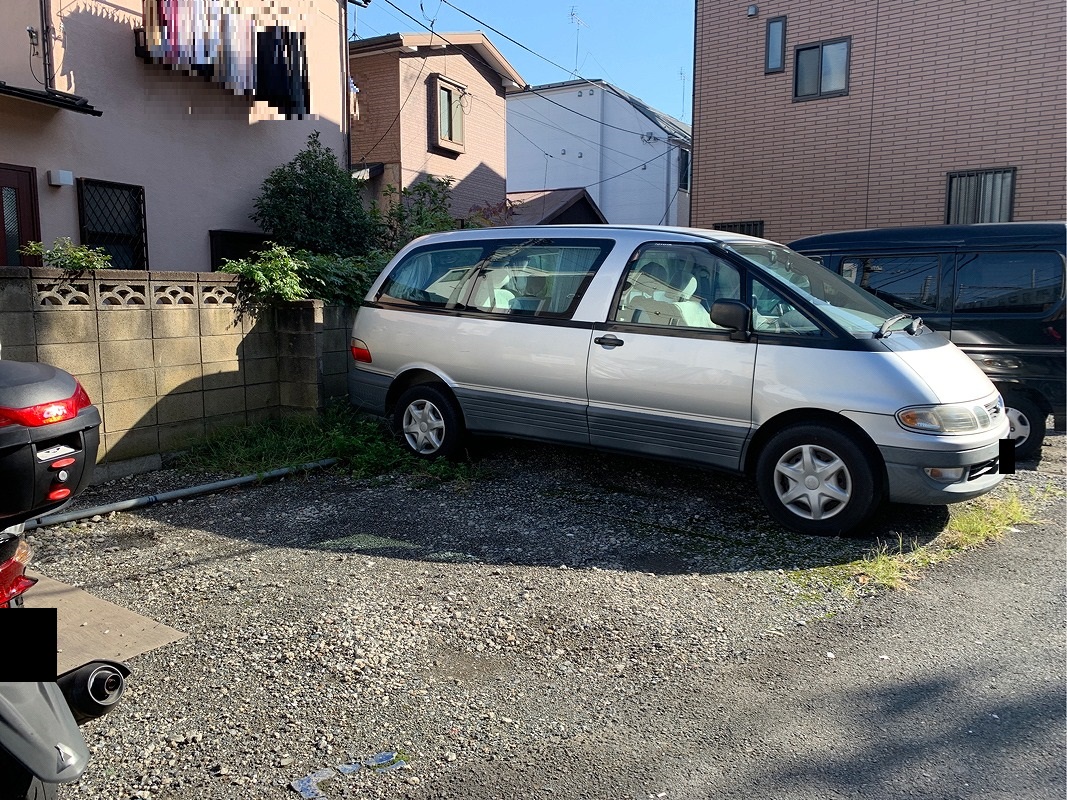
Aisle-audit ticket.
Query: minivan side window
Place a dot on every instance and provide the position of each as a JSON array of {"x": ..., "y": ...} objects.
[
  {"x": 504, "y": 277},
  {"x": 909, "y": 282},
  {"x": 675, "y": 285},
  {"x": 999, "y": 283},
  {"x": 771, "y": 313}
]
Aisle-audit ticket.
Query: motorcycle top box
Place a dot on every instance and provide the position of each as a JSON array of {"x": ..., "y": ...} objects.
[{"x": 49, "y": 436}]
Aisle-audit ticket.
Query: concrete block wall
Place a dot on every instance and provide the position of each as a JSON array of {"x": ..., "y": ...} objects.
[{"x": 167, "y": 356}]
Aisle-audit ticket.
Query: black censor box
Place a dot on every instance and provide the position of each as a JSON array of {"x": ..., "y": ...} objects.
[{"x": 29, "y": 636}]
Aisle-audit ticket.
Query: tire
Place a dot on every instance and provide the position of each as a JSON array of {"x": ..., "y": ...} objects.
[
  {"x": 815, "y": 479},
  {"x": 1027, "y": 424},
  {"x": 428, "y": 422}
]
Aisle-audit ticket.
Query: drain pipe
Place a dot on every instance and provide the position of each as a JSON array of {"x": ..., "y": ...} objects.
[{"x": 207, "y": 488}]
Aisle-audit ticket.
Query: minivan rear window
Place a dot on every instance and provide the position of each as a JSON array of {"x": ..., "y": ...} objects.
[{"x": 503, "y": 277}]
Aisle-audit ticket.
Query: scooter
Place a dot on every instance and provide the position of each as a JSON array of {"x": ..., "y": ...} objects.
[
  {"x": 41, "y": 744},
  {"x": 49, "y": 436}
]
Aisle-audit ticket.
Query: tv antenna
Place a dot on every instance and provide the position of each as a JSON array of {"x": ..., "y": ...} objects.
[{"x": 578, "y": 24}]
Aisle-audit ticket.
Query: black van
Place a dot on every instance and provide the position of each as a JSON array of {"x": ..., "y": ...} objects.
[{"x": 996, "y": 289}]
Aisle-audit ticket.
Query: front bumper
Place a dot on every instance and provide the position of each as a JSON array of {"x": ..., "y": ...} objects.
[{"x": 909, "y": 483}]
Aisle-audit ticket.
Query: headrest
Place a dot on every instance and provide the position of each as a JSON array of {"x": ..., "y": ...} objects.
[{"x": 687, "y": 291}]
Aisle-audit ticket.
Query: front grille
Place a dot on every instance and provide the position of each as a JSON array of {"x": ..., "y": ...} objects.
[
  {"x": 994, "y": 411},
  {"x": 985, "y": 468}
]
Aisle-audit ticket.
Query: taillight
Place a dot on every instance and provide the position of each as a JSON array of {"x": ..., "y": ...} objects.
[
  {"x": 47, "y": 413},
  {"x": 360, "y": 351},
  {"x": 13, "y": 581}
]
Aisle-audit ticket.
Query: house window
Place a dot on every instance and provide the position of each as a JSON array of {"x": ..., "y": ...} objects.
[
  {"x": 775, "y": 49},
  {"x": 112, "y": 217},
  {"x": 821, "y": 69},
  {"x": 980, "y": 196},
  {"x": 684, "y": 166},
  {"x": 449, "y": 114},
  {"x": 750, "y": 228}
]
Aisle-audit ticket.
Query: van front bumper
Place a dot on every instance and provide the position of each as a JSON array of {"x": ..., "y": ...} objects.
[{"x": 909, "y": 481}]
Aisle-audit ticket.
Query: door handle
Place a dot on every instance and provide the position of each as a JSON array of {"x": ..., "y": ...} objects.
[{"x": 611, "y": 340}]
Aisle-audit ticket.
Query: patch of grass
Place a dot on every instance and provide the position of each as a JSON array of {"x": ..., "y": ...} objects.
[
  {"x": 897, "y": 567},
  {"x": 364, "y": 445},
  {"x": 983, "y": 520}
]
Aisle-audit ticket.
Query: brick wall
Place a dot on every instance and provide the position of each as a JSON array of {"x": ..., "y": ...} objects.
[
  {"x": 934, "y": 88},
  {"x": 393, "y": 84},
  {"x": 168, "y": 358}
]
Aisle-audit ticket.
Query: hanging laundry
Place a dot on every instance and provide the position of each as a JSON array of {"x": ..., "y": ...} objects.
[{"x": 281, "y": 71}]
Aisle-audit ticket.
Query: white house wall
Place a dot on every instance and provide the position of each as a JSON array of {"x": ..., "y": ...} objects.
[{"x": 604, "y": 148}]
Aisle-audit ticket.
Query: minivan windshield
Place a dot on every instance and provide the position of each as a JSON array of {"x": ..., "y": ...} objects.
[{"x": 857, "y": 311}]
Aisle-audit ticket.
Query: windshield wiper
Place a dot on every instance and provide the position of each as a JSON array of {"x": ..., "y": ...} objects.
[{"x": 913, "y": 327}]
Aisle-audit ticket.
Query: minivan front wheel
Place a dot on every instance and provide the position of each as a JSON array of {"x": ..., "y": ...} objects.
[
  {"x": 428, "y": 422},
  {"x": 1027, "y": 424},
  {"x": 814, "y": 479}
]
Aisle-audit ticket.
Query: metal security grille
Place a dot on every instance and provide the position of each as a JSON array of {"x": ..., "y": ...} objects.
[
  {"x": 112, "y": 217},
  {"x": 980, "y": 196},
  {"x": 752, "y": 227}
]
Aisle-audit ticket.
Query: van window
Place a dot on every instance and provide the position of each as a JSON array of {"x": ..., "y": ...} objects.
[
  {"x": 906, "y": 282},
  {"x": 999, "y": 283},
  {"x": 531, "y": 277},
  {"x": 771, "y": 313},
  {"x": 675, "y": 285}
]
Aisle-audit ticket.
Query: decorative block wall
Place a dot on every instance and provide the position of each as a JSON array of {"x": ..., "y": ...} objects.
[{"x": 167, "y": 356}]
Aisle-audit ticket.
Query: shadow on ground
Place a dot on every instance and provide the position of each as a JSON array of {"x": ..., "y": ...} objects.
[{"x": 539, "y": 505}]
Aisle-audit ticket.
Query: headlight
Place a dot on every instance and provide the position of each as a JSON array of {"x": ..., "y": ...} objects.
[{"x": 962, "y": 418}]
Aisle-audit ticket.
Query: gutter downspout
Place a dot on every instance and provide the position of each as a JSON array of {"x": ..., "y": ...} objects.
[{"x": 46, "y": 45}]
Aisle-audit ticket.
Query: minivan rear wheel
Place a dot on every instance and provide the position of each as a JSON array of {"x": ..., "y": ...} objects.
[
  {"x": 815, "y": 479},
  {"x": 1027, "y": 424},
  {"x": 428, "y": 422}
]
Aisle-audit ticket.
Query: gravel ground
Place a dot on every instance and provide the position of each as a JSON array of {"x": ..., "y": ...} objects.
[{"x": 514, "y": 635}]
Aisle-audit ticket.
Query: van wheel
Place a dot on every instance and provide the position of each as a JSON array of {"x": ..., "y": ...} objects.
[
  {"x": 1027, "y": 424},
  {"x": 428, "y": 422},
  {"x": 814, "y": 479}
]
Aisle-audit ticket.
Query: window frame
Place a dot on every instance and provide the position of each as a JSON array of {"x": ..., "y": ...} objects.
[
  {"x": 749, "y": 227},
  {"x": 779, "y": 51},
  {"x": 821, "y": 47},
  {"x": 1012, "y": 172},
  {"x": 137, "y": 242},
  {"x": 685, "y": 170},
  {"x": 447, "y": 140}
]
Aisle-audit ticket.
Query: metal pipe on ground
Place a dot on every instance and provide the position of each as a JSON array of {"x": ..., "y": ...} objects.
[{"x": 162, "y": 497}]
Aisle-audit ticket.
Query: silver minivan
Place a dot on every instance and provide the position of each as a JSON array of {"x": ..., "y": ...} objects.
[{"x": 696, "y": 346}]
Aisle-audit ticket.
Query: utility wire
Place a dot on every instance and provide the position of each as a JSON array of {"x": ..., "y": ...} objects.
[{"x": 527, "y": 88}]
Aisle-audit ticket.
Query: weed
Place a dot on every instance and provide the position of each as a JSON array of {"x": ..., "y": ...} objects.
[
  {"x": 364, "y": 445},
  {"x": 970, "y": 525}
]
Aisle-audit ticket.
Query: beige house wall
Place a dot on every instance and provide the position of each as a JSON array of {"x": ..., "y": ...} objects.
[
  {"x": 393, "y": 84},
  {"x": 934, "y": 88},
  {"x": 200, "y": 151}
]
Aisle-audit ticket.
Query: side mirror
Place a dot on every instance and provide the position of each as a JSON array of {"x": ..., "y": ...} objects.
[{"x": 733, "y": 315}]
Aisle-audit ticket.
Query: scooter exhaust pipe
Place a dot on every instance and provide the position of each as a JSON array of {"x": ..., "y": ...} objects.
[{"x": 93, "y": 689}]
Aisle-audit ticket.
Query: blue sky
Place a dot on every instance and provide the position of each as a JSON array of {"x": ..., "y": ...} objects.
[{"x": 644, "y": 48}]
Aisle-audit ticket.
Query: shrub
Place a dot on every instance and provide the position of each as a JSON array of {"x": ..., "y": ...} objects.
[
  {"x": 67, "y": 256},
  {"x": 312, "y": 203},
  {"x": 420, "y": 209},
  {"x": 278, "y": 275}
]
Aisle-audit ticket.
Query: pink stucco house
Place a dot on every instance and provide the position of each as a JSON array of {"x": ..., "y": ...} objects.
[{"x": 148, "y": 126}]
